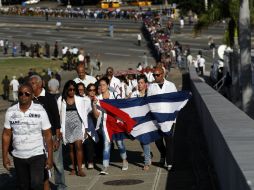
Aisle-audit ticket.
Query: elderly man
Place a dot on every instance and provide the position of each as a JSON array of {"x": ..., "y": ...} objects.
[
  {"x": 161, "y": 86},
  {"x": 28, "y": 126},
  {"x": 83, "y": 77},
  {"x": 48, "y": 101}
]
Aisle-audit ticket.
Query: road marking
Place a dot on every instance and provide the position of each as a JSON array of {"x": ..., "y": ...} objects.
[
  {"x": 118, "y": 54},
  {"x": 92, "y": 41},
  {"x": 93, "y": 182},
  {"x": 156, "y": 179},
  {"x": 143, "y": 50}
]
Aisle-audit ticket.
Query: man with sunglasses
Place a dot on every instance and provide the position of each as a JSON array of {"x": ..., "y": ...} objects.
[
  {"x": 161, "y": 86},
  {"x": 49, "y": 103},
  {"x": 28, "y": 126}
]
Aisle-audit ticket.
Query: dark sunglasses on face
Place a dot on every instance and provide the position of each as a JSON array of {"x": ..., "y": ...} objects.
[
  {"x": 27, "y": 94},
  {"x": 71, "y": 89},
  {"x": 91, "y": 90},
  {"x": 156, "y": 75}
]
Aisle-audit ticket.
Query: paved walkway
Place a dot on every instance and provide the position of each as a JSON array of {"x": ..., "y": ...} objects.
[{"x": 190, "y": 161}]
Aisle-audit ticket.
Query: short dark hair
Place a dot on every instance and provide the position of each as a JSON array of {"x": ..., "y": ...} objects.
[
  {"x": 142, "y": 77},
  {"x": 26, "y": 84},
  {"x": 104, "y": 79}
]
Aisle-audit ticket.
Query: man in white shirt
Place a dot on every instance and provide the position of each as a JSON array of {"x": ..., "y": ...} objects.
[
  {"x": 139, "y": 39},
  {"x": 115, "y": 83},
  {"x": 53, "y": 85},
  {"x": 83, "y": 77},
  {"x": 14, "y": 84},
  {"x": 161, "y": 86},
  {"x": 201, "y": 65},
  {"x": 28, "y": 126}
]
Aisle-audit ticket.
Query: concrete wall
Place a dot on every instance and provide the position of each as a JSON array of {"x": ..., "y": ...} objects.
[{"x": 229, "y": 133}]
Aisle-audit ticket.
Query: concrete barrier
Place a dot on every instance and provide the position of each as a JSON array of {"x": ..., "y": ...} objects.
[{"x": 229, "y": 133}]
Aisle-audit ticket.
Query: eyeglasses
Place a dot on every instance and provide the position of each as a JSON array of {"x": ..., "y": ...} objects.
[
  {"x": 27, "y": 94},
  {"x": 156, "y": 74},
  {"x": 71, "y": 89},
  {"x": 109, "y": 71},
  {"x": 92, "y": 90}
]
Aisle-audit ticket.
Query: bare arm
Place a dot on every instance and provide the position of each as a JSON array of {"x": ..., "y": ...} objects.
[
  {"x": 48, "y": 138},
  {"x": 95, "y": 111},
  {"x": 6, "y": 140}
]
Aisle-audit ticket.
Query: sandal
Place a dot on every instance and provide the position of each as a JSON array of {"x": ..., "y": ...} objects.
[{"x": 72, "y": 172}]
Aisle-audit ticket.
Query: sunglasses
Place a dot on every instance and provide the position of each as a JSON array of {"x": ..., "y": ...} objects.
[
  {"x": 156, "y": 75},
  {"x": 91, "y": 90},
  {"x": 27, "y": 94},
  {"x": 71, "y": 89}
]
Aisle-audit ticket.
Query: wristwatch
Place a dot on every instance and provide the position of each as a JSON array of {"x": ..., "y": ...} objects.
[{"x": 58, "y": 139}]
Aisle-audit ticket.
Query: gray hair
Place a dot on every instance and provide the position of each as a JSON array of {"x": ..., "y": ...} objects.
[{"x": 37, "y": 77}]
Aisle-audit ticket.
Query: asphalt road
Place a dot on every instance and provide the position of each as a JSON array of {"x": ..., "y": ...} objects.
[{"x": 121, "y": 50}]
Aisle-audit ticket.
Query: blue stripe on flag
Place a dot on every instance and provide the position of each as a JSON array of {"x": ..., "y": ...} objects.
[
  {"x": 162, "y": 117},
  {"x": 169, "y": 97}
]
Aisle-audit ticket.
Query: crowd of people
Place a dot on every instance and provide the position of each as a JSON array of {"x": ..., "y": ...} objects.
[
  {"x": 130, "y": 14},
  {"x": 71, "y": 118},
  {"x": 51, "y": 82}
]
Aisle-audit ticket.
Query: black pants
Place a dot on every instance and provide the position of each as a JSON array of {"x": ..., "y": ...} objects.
[
  {"x": 201, "y": 71},
  {"x": 166, "y": 150},
  {"x": 30, "y": 172},
  {"x": 89, "y": 150}
]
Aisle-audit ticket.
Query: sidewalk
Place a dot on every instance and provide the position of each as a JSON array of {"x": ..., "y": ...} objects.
[{"x": 189, "y": 171}]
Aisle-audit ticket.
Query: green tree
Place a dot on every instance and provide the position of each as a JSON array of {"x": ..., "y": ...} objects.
[
  {"x": 196, "y": 6},
  {"x": 237, "y": 13}
]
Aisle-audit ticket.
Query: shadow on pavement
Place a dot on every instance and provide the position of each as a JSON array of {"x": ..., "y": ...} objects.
[{"x": 192, "y": 168}]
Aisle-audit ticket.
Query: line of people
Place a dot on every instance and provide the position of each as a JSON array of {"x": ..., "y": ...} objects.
[
  {"x": 130, "y": 14},
  {"x": 66, "y": 121}
]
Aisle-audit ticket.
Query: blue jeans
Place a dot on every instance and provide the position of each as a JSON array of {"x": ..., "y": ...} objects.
[
  {"x": 147, "y": 154},
  {"x": 107, "y": 148},
  {"x": 59, "y": 169}
]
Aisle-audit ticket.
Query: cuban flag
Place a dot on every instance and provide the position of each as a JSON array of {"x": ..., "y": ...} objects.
[{"x": 145, "y": 118}]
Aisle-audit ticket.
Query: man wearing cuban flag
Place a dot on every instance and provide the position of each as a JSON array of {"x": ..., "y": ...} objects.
[{"x": 162, "y": 86}]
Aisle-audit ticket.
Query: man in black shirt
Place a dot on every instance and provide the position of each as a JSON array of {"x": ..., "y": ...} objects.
[{"x": 48, "y": 101}]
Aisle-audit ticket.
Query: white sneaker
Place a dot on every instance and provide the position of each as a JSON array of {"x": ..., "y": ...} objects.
[
  {"x": 104, "y": 171},
  {"x": 90, "y": 166},
  {"x": 125, "y": 166},
  {"x": 83, "y": 166},
  {"x": 169, "y": 167}
]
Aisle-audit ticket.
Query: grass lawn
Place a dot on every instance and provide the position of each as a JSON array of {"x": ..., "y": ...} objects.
[{"x": 16, "y": 66}]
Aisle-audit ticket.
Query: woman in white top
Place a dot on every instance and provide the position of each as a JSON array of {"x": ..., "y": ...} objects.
[
  {"x": 73, "y": 117},
  {"x": 106, "y": 94}
]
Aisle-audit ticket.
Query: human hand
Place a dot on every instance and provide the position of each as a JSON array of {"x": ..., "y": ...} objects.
[{"x": 49, "y": 164}]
